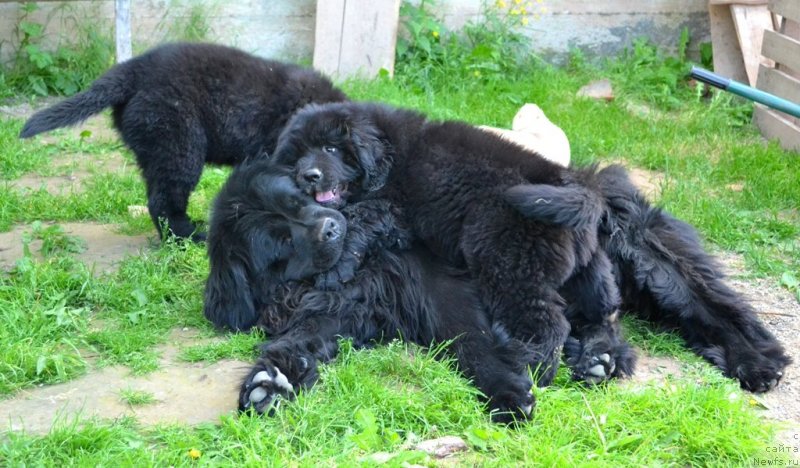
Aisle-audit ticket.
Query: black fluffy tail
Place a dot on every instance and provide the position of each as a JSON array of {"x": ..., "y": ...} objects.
[
  {"x": 115, "y": 87},
  {"x": 574, "y": 206}
]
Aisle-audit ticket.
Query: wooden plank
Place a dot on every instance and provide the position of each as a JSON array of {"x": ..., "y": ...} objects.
[
  {"x": 328, "y": 35},
  {"x": 774, "y": 126},
  {"x": 779, "y": 83},
  {"x": 783, "y": 50},
  {"x": 751, "y": 21},
  {"x": 122, "y": 29},
  {"x": 737, "y": 2},
  {"x": 727, "y": 54},
  {"x": 786, "y": 8},
  {"x": 790, "y": 28},
  {"x": 356, "y": 37}
]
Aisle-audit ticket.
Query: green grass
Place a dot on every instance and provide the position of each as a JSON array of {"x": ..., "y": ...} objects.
[
  {"x": 386, "y": 399},
  {"x": 60, "y": 321},
  {"x": 136, "y": 397}
]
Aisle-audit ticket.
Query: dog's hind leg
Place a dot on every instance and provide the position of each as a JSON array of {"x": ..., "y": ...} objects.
[
  {"x": 167, "y": 201},
  {"x": 518, "y": 267},
  {"x": 595, "y": 350},
  {"x": 497, "y": 364},
  {"x": 289, "y": 362},
  {"x": 666, "y": 276},
  {"x": 171, "y": 150}
]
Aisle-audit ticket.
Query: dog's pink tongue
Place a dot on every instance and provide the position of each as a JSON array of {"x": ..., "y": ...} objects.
[{"x": 323, "y": 197}]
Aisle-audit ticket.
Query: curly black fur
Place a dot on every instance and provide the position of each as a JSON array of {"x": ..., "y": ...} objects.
[
  {"x": 549, "y": 247},
  {"x": 521, "y": 225},
  {"x": 179, "y": 106},
  {"x": 393, "y": 290},
  {"x": 666, "y": 276}
]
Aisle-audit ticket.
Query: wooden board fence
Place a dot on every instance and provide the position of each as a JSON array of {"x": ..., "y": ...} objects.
[{"x": 783, "y": 78}]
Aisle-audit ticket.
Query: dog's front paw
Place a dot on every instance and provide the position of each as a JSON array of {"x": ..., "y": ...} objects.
[
  {"x": 508, "y": 407},
  {"x": 264, "y": 388},
  {"x": 598, "y": 361}
]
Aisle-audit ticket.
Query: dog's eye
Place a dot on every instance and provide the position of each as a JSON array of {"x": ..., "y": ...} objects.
[{"x": 330, "y": 149}]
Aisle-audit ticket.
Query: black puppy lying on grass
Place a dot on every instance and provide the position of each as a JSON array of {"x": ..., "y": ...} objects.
[
  {"x": 267, "y": 241},
  {"x": 555, "y": 252}
]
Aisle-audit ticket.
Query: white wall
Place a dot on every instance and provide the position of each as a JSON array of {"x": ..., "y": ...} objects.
[{"x": 285, "y": 28}]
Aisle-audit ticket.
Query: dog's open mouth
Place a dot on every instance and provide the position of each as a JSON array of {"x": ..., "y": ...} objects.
[{"x": 330, "y": 197}]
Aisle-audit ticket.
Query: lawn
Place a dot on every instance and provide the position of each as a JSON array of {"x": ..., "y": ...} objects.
[{"x": 62, "y": 320}]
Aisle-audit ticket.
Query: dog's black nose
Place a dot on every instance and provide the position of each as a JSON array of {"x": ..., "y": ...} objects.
[
  {"x": 331, "y": 230},
  {"x": 312, "y": 175}
]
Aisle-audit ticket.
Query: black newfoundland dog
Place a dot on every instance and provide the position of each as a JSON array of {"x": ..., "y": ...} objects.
[
  {"x": 179, "y": 106},
  {"x": 269, "y": 243},
  {"x": 554, "y": 252}
]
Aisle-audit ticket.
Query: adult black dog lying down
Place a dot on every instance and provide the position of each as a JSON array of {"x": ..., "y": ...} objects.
[
  {"x": 181, "y": 105},
  {"x": 267, "y": 240},
  {"x": 554, "y": 251}
]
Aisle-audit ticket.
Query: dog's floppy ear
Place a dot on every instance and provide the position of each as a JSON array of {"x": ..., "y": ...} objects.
[{"x": 373, "y": 156}]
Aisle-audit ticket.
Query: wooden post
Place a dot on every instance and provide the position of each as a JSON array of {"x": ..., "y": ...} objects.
[
  {"x": 122, "y": 14},
  {"x": 355, "y": 37}
]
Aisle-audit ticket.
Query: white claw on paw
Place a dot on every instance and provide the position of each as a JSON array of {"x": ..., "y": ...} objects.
[
  {"x": 527, "y": 408},
  {"x": 282, "y": 381},
  {"x": 262, "y": 376},
  {"x": 597, "y": 371},
  {"x": 605, "y": 357},
  {"x": 257, "y": 395}
]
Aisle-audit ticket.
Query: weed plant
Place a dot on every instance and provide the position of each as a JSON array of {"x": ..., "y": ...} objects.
[{"x": 64, "y": 71}]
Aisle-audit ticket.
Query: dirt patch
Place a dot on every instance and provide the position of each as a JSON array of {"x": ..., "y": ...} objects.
[
  {"x": 69, "y": 170},
  {"x": 654, "y": 369},
  {"x": 779, "y": 310},
  {"x": 105, "y": 248},
  {"x": 67, "y": 175},
  {"x": 183, "y": 393},
  {"x": 648, "y": 182}
]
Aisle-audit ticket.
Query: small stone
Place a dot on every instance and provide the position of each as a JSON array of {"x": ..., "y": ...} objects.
[
  {"x": 137, "y": 210},
  {"x": 443, "y": 446},
  {"x": 380, "y": 458},
  {"x": 600, "y": 89}
]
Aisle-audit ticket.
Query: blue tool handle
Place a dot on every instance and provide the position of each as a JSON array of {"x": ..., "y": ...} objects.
[
  {"x": 711, "y": 78},
  {"x": 748, "y": 92}
]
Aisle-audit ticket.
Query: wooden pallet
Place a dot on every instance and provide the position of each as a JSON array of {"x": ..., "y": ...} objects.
[
  {"x": 737, "y": 29},
  {"x": 783, "y": 78}
]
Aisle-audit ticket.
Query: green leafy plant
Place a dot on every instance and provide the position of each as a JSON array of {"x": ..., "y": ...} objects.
[
  {"x": 790, "y": 281},
  {"x": 645, "y": 70},
  {"x": 429, "y": 55},
  {"x": 134, "y": 397},
  {"x": 65, "y": 70},
  {"x": 54, "y": 240}
]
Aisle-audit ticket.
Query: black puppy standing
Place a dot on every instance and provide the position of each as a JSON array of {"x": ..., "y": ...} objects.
[
  {"x": 267, "y": 240},
  {"x": 179, "y": 106},
  {"x": 554, "y": 251}
]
